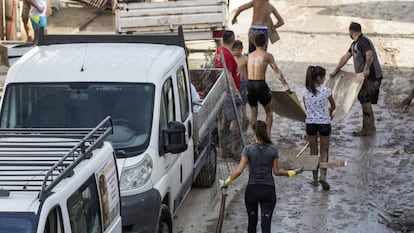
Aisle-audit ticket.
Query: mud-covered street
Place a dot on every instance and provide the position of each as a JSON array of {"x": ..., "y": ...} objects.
[{"x": 374, "y": 192}]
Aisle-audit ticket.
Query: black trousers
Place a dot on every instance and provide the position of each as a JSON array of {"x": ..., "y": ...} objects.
[{"x": 265, "y": 196}]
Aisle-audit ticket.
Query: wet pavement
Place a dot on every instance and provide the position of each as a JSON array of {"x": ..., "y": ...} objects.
[
  {"x": 76, "y": 17},
  {"x": 375, "y": 191}
]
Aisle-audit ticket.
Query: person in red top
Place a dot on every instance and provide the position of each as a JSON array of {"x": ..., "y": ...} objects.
[
  {"x": 231, "y": 64},
  {"x": 229, "y": 115}
]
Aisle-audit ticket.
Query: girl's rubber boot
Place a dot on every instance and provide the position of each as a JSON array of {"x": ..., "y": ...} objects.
[
  {"x": 315, "y": 178},
  {"x": 322, "y": 180}
]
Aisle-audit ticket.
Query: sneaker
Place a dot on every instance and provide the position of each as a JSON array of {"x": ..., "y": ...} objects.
[{"x": 324, "y": 184}]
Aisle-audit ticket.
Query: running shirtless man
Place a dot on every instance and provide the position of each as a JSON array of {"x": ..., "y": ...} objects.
[
  {"x": 261, "y": 20},
  {"x": 257, "y": 88}
]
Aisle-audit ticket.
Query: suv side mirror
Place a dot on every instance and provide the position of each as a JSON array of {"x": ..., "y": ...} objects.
[{"x": 174, "y": 137}]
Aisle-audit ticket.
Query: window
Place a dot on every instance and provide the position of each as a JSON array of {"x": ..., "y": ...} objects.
[
  {"x": 163, "y": 125},
  {"x": 167, "y": 112},
  {"x": 169, "y": 100},
  {"x": 84, "y": 209},
  {"x": 18, "y": 222},
  {"x": 84, "y": 105},
  {"x": 54, "y": 221},
  {"x": 183, "y": 94}
]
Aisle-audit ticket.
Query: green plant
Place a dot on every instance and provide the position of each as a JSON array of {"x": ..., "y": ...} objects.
[{"x": 208, "y": 58}]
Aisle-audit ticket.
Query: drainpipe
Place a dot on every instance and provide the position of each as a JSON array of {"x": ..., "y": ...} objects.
[
  {"x": 1, "y": 20},
  {"x": 10, "y": 10}
]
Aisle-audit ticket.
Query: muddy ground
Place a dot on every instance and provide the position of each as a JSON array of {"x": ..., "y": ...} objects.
[{"x": 375, "y": 192}]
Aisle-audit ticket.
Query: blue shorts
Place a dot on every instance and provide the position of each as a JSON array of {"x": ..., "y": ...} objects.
[
  {"x": 252, "y": 34},
  {"x": 228, "y": 109},
  {"x": 38, "y": 22},
  {"x": 243, "y": 91}
]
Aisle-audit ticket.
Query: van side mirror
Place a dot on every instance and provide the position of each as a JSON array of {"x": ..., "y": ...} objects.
[{"x": 174, "y": 137}]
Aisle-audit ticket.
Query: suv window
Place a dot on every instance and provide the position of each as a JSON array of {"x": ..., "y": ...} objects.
[
  {"x": 54, "y": 221},
  {"x": 23, "y": 222},
  {"x": 84, "y": 210}
]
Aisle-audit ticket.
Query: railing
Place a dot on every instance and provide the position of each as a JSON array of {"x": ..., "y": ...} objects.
[{"x": 167, "y": 39}]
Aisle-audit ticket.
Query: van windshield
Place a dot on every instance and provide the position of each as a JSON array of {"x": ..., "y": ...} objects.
[
  {"x": 17, "y": 222},
  {"x": 83, "y": 105}
]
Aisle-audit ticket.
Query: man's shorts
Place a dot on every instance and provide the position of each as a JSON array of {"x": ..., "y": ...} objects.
[
  {"x": 38, "y": 22},
  {"x": 258, "y": 91},
  {"x": 243, "y": 91},
  {"x": 252, "y": 34},
  {"x": 369, "y": 91},
  {"x": 228, "y": 108},
  {"x": 322, "y": 129}
]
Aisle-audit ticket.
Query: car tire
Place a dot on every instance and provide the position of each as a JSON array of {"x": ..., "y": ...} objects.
[{"x": 165, "y": 221}]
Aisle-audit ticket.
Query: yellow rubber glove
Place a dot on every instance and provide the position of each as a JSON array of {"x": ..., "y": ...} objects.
[
  {"x": 227, "y": 182},
  {"x": 295, "y": 172},
  {"x": 291, "y": 173}
]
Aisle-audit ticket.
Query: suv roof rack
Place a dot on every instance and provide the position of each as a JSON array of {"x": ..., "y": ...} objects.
[
  {"x": 39, "y": 165},
  {"x": 167, "y": 39}
]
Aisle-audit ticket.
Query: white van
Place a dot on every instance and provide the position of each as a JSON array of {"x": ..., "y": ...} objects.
[
  {"x": 58, "y": 180},
  {"x": 162, "y": 145}
]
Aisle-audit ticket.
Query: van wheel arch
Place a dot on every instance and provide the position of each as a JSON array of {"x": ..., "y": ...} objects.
[{"x": 165, "y": 220}]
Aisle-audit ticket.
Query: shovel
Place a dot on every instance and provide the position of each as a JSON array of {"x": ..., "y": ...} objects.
[{"x": 222, "y": 208}]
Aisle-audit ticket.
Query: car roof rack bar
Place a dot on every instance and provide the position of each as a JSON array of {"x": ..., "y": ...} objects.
[
  {"x": 52, "y": 160},
  {"x": 167, "y": 39},
  {"x": 47, "y": 188}
]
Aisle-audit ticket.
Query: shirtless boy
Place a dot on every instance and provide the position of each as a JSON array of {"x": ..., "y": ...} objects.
[
  {"x": 257, "y": 88},
  {"x": 241, "y": 61},
  {"x": 262, "y": 10}
]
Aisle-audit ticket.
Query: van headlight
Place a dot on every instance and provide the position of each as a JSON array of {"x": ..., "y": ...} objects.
[{"x": 136, "y": 176}]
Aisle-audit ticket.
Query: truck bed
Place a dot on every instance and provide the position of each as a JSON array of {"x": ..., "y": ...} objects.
[
  {"x": 199, "y": 18},
  {"x": 213, "y": 83}
]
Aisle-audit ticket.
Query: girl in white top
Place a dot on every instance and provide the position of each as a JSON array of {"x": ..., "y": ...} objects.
[{"x": 318, "y": 118}]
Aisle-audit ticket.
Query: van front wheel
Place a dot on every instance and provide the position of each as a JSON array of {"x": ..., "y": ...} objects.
[{"x": 165, "y": 221}]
